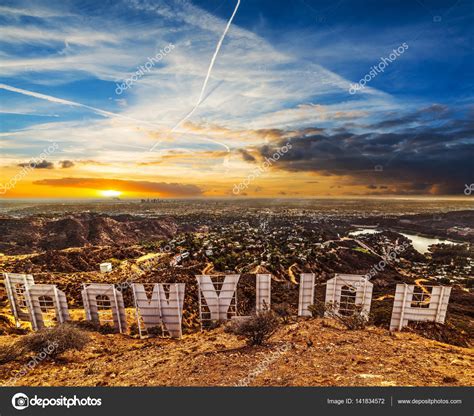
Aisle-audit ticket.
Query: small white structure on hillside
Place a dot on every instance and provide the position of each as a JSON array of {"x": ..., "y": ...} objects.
[
  {"x": 176, "y": 260},
  {"x": 217, "y": 297},
  {"x": 306, "y": 294},
  {"x": 419, "y": 303},
  {"x": 103, "y": 304},
  {"x": 105, "y": 267},
  {"x": 346, "y": 293},
  {"x": 164, "y": 308}
]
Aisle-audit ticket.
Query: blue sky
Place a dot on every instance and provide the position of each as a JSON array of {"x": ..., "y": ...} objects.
[{"x": 284, "y": 72}]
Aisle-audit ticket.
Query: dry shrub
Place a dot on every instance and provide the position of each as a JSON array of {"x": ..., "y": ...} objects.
[
  {"x": 317, "y": 309},
  {"x": 257, "y": 329},
  {"x": 355, "y": 320},
  {"x": 284, "y": 311},
  {"x": 155, "y": 331},
  {"x": 55, "y": 340}
]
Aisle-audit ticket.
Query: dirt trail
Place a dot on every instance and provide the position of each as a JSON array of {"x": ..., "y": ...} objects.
[
  {"x": 291, "y": 274},
  {"x": 209, "y": 267}
]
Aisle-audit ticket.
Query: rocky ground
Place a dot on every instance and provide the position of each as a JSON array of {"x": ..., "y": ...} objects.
[{"x": 305, "y": 353}]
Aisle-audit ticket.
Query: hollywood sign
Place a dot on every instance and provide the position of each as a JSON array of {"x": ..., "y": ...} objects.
[{"x": 160, "y": 305}]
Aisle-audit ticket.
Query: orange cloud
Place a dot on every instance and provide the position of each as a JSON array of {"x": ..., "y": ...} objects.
[{"x": 162, "y": 188}]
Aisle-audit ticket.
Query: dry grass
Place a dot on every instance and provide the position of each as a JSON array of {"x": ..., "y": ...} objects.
[
  {"x": 55, "y": 341},
  {"x": 257, "y": 329}
]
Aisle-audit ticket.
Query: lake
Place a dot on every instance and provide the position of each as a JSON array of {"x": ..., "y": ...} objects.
[{"x": 420, "y": 244}]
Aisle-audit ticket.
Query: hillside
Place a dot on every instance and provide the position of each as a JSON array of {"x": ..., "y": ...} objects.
[
  {"x": 70, "y": 268},
  {"x": 39, "y": 233},
  {"x": 319, "y": 354}
]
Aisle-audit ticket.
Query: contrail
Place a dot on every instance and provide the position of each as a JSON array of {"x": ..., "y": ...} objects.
[
  {"x": 72, "y": 103},
  {"x": 104, "y": 113},
  {"x": 209, "y": 71},
  {"x": 110, "y": 114}
]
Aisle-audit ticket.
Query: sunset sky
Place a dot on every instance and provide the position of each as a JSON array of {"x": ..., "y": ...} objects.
[{"x": 283, "y": 76}]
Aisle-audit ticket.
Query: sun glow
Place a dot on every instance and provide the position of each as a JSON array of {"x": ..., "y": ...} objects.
[{"x": 111, "y": 193}]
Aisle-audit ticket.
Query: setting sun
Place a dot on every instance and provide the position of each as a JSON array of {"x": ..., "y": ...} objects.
[{"x": 111, "y": 193}]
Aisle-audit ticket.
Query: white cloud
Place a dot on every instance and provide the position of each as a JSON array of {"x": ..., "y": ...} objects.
[{"x": 253, "y": 84}]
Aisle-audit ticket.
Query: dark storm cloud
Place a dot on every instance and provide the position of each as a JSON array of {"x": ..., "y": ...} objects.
[
  {"x": 44, "y": 164},
  {"x": 65, "y": 164},
  {"x": 420, "y": 160},
  {"x": 246, "y": 155},
  {"x": 394, "y": 122},
  {"x": 433, "y": 111}
]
